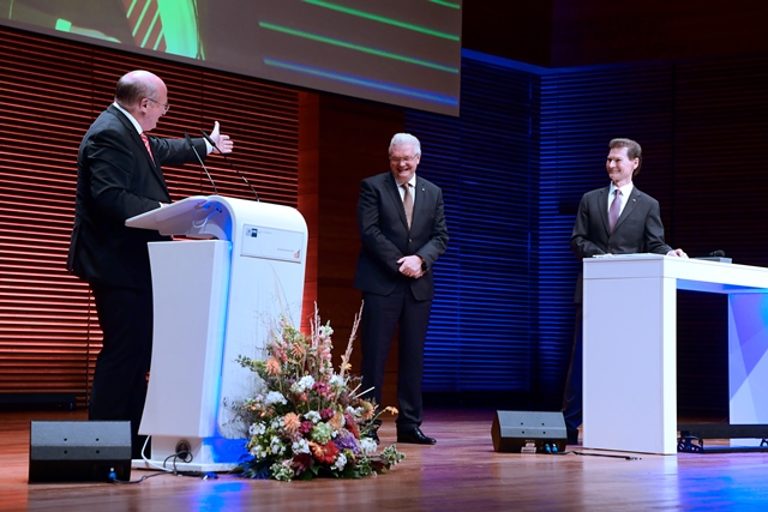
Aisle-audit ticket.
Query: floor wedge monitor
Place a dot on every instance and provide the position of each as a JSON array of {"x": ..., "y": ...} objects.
[
  {"x": 77, "y": 451},
  {"x": 528, "y": 432}
]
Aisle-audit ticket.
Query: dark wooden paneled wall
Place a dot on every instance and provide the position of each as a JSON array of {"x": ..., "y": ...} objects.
[
  {"x": 50, "y": 92},
  {"x": 353, "y": 141}
]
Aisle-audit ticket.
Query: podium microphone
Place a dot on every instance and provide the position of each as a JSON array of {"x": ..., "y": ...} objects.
[
  {"x": 194, "y": 150},
  {"x": 229, "y": 162}
]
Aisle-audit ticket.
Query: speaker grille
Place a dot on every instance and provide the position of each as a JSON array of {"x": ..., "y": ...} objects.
[{"x": 70, "y": 451}]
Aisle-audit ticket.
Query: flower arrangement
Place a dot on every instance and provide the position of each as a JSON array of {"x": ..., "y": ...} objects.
[{"x": 310, "y": 420}]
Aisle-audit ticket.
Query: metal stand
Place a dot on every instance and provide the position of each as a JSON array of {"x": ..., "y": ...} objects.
[{"x": 691, "y": 437}]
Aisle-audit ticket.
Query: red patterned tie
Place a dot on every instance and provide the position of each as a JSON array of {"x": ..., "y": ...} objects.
[
  {"x": 145, "y": 139},
  {"x": 614, "y": 210}
]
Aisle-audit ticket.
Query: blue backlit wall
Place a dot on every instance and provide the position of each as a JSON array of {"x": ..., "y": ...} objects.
[
  {"x": 483, "y": 331},
  {"x": 529, "y": 142}
]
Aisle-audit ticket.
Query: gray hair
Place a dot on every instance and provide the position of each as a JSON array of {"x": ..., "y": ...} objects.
[{"x": 405, "y": 139}]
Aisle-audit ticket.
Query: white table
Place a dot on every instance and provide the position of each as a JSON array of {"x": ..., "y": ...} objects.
[{"x": 630, "y": 354}]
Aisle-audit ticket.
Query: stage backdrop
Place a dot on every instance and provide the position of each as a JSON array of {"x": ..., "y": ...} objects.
[{"x": 529, "y": 142}]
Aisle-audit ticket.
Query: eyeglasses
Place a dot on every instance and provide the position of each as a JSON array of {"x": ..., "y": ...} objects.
[
  {"x": 406, "y": 159},
  {"x": 166, "y": 106}
]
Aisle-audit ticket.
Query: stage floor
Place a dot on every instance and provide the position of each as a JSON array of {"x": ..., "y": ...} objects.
[{"x": 462, "y": 472}]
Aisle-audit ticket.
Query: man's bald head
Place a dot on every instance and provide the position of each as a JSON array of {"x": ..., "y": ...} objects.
[{"x": 135, "y": 85}]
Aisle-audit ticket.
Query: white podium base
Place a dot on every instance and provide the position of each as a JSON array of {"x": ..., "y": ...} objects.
[
  {"x": 202, "y": 467},
  {"x": 214, "y": 454}
]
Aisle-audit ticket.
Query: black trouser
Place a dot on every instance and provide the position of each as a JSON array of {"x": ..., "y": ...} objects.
[
  {"x": 120, "y": 378},
  {"x": 382, "y": 314},
  {"x": 572, "y": 401}
]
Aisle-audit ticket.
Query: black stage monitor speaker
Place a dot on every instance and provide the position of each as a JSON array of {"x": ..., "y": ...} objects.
[
  {"x": 529, "y": 432},
  {"x": 76, "y": 451}
]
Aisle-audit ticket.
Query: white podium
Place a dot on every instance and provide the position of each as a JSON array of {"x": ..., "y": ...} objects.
[
  {"x": 215, "y": 299},
  {"x": 630, "y": 356}
]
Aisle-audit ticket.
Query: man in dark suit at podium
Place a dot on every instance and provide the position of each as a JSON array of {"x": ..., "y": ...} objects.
[
  {"x": 119, "y": 176},
  {"x": 403, "y": 231},
  {"x": 617, "y": 219}
]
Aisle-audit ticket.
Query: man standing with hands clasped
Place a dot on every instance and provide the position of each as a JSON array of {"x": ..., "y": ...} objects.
[
  {"x": 403, "y": 232},
  {"x": 119, "y": 176},
  {"x": 617, "y": 219}
]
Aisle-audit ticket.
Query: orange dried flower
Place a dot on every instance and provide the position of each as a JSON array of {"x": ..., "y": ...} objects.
[
  {"x": 291, "y": 422},
  {"x": 337, "y": 421},
  {"x": 273, "y": 366}
]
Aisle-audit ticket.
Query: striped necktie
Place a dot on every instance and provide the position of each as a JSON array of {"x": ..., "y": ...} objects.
[
  {"x": 614, "y": 210},
  {"x": 408, "y": 203},
  {"x": 145, "y": 140}
]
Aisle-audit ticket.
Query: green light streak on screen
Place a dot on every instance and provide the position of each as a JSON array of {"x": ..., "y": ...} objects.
[
  {"x": 357, "y": 47},
  {"x": 63, "y": 25},
  {"x": 149, "y": 33},
  {"x": 139, "y": 19},
  {"x": 180, "y": 28},
  {"x": 446, "y": 4},
  {"x": 383, "y": 19}
]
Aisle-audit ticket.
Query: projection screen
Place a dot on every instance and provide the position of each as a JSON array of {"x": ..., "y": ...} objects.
[{"x": 403, "y": 52}]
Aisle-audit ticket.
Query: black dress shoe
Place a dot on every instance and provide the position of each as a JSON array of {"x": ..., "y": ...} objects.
[
  {"x": 573, "y": 436},
  {"x": 414, "y": 436}
]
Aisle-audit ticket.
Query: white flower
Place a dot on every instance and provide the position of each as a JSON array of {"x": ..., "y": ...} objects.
[
  {"x": 313, "y": 416},
  {"x": 257, "y": 429},
  {"x": 303, "y": 384},
  {"x": 325, "y": 331},
  {"x": 275, "y": 397},
  {"x": 368, "y": 446},
  {"x": 300, "y": 446},
  {"x": 336, "y": 381},
  {"x": 259, "y": 452},
  {"x": 276, "y": 446},
  {"x": 341, "y": 461}
]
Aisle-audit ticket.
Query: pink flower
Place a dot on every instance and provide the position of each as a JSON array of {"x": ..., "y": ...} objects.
[
  {"x": 297, "y": 351},
  {"x": 322, "y": 389}
]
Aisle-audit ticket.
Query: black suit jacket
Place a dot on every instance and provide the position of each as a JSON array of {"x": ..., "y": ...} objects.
[
  {"x": 118, "y": 179},
  {"x": 638, "y": 230},
  {"x": 386, "y": 238}
]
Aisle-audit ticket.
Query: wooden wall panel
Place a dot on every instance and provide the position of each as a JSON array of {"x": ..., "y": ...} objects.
[
  {"x": 353, "y": 143},
  {"x": 50, "y": 92}
]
